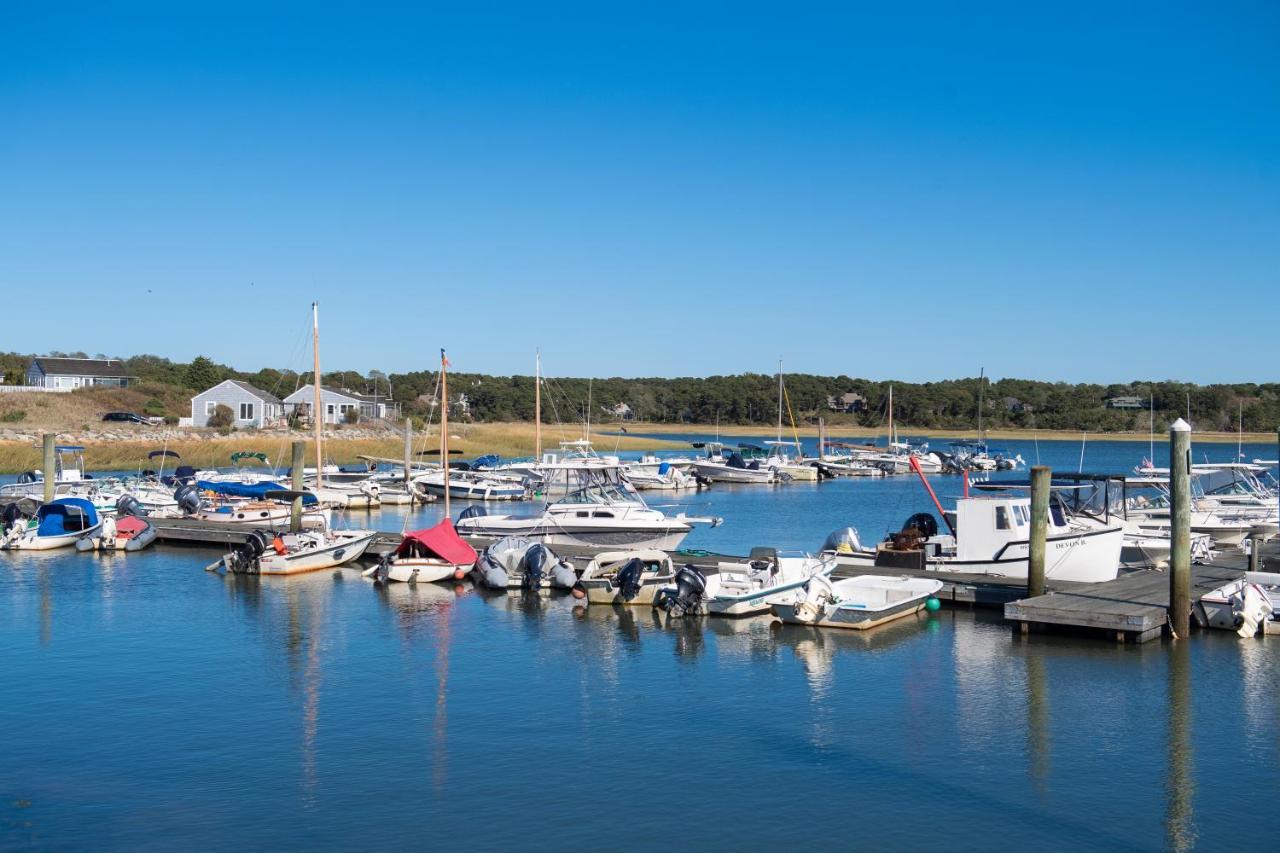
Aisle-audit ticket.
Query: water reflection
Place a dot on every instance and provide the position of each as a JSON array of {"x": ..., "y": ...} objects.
[
  {"x": 1038, "y": 740},
  {"x": 1180, "y": 783}
]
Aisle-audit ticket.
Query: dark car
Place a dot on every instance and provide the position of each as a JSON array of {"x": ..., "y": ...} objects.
[{"x": 125, "y": 417}]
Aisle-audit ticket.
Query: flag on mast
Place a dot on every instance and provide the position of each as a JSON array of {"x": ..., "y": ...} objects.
[{"x": 444, "y": 360}]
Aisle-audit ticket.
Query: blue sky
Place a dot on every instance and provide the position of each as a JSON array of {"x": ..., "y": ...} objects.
[{"x": 1088, "y": 193}]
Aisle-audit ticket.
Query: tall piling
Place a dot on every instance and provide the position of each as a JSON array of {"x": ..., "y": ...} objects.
[
  {"x": 50, "y": 464},
  {"x": 1041, "y": 476},
  {"x": 1180, "y": 530},
  {"x": 299, "y": 461}
]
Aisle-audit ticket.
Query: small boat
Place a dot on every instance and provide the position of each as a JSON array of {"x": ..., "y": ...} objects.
[
  {"x": 470, "y": 486},
  {"x": 1243, "y": 605},
  {"x": 753, "y": 585},
  {"x": 312, "y": 550},
  {"x": 664, "y": 477},
  {"x": 859, "y": 602},
  {"x": 626, "y": 577},
  {"x": 128, "y": 533},
  {"x": 57, "y": 524},
  {"x": 718, "y": 467},
  {"x": 518, "y": 563},
  {"x": 423, "y": 556}
]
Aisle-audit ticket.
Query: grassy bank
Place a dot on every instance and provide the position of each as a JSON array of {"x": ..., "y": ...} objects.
[{"x": 508, "y": 440}]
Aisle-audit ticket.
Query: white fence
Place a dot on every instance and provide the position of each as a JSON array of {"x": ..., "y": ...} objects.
[{"x": 32, "y": 389}]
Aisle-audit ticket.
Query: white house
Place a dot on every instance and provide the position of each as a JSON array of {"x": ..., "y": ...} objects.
[
  {"x": 337, "y": 403},
  {"x": 77, "y": 373},
  {"x": 250, "y": 407}
]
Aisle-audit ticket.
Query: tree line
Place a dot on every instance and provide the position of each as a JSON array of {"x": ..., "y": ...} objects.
[{"x": 752, "y": 398}]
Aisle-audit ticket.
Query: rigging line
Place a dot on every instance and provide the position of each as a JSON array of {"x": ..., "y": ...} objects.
[{"x": 786, "y": 395}]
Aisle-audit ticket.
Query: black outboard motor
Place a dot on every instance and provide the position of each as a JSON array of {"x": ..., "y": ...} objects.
[
  {"x": 629, "y": 577},
  {"x": 9, "y": 516},
  {"x": 923, "y": 522},
  {"x": 532, "y": 565},
  {"x": 244, "y": 560},
  {"x": 28, "y": 477},
  {"x": 188, "y": 498},
  {"x": 128, "y": 505},
  {"x": 473, "y": 511},
  {"x": 691, "y": 584}
]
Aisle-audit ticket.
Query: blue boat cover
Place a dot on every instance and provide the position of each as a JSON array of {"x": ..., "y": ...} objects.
[
  {"x": 65, "y": 515},
  {"x": 663, "y": 468},
  {"x": 256, "y": 490},
  {"x": 490, "y": 461}
]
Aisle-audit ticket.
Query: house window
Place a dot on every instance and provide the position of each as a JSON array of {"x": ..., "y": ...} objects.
[
  {"x": 330, "y": 409},
  {"x": 209, "y": 406},
  {"x": 246, "y": 411}
]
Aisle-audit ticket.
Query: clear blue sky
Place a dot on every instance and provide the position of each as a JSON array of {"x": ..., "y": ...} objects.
[{"x": 1084, "y": 193}]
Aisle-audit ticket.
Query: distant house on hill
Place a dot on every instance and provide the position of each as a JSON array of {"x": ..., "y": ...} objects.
[
  {"x": 622, "y": 411},
  {"x": 849, "y": 402},
  {"x": 1127, "y": 403},
  {"x": 250, "y": 407},
  {"x": 1014, "y": 406},
  {"x": 338, "y": 402},
  {"x": 78, "y": 373}
]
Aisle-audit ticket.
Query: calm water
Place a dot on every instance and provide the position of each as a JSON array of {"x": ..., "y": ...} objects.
[{"x": 149, "y": 705}]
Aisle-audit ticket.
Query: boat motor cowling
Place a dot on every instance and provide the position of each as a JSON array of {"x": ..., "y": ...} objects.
[
  {"x": 817, "y": 593},
  {"x": 532, "y": 567},
  {"x": 473, "y": 511},
  {"x": 129, "y": 505},
  {"x": 628, "y": 578},
  {"x": 244, "y": 559},
  {"x": 188, "y": 498},
  {"x": 691, "y": 586}
]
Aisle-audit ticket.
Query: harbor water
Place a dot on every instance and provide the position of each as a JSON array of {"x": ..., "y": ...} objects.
[{"x": 149, "y": 705}]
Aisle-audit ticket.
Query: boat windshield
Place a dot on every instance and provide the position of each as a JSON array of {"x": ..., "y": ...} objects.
[{"x": 599, "y": 493}]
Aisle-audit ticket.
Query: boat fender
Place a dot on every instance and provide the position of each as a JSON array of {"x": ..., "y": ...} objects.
[{"x": 628, "y": 578}]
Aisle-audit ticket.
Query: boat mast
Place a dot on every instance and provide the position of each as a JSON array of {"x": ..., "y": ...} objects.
[
  {"x": 1151, "y": 418},
  {"x": 1239, "y": 430},
  {"x": 779, "y": 400},
  {"x": 444, "y": 426},
  {"x": 317, "y": 417},
  {"x": 982, "y": 380},
  {"x": 890, "y": 417},
  {"x": 537, "y": 406}
]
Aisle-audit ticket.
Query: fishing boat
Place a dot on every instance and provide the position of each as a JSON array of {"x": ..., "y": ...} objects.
[
  {"x": 60, "y": 523},
  {"x": 626, "y": 577},
  {"x": 860, "y": 602},
  {"x": 313, "y": 550},
  {"x": 733, "y": 467},
  {"x": 425, "y": 556},
  {"x": 600, "y": 510},
  {"x": 751, "y": 586},
  {"x": 519, "y": 563},
  {"x": 127, "y": 533},
  {"x": 664, "y": 477}
]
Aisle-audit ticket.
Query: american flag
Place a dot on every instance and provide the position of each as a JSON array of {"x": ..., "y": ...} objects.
[{"x": 444, "y": 360}]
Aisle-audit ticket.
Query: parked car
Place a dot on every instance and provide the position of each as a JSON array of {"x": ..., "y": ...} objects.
[{"x": 126, "y": 418}]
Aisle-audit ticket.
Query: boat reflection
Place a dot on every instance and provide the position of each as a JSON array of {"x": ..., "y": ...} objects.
[
  {"x": 1180, "y": 828},
  {"x": 817, "y": 648}
]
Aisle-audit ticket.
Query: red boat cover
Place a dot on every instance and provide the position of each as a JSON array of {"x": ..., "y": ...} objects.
[
  {"x": 442, "y": 541},
  {"x": 130, "y": 526}
]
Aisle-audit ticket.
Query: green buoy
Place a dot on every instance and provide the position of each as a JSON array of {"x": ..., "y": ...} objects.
[{"x": 932, "y": 604}]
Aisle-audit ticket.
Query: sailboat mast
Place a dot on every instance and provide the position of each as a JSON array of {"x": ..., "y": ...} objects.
[
  {"x": 891, "y": 417},
  {"x": 1151, "y": 419},
  {"x": 779, "y": 399},
  {"x": 537, "y": 406},
  {"x": 982, "y": 381},
  {"x": 317, "y": 415},
  {"x": 444, "y": 426}
]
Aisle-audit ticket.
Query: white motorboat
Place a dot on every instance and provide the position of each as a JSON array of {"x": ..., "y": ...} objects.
[
  {"x": 68, "y": 471},
  {"x": 296, "y": 553},
  {"x": 58, "y": 524},
  {"x": 470, "y": 485},
  {"x": 742, "y": 588},
  {"x": 424, "y": 556},
  {"x": 600, "y": 510},
  {"x": 1243, "y": 605},
  {"x": 732, "y": 467},
  {"x": 626, "y": 577},
  {"x": 860, "y": 602},
  {"x": 663, "y": 477}
]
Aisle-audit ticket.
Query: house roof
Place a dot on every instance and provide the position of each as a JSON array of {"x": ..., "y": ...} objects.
[
  {"x": 341, "y": 392},
  {"x": 81, "y": 367},
  {"x": 264, "y": 396}
]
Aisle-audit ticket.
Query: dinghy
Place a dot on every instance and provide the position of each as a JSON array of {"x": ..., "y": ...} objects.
[
  {"x": 57, "y": 524},
  {"x": 859, "y": 602},
  {"x": 518, "y": 563},
  {"x": 128, "y": 533},
  {"x": 423, "y": 556},
  {"x": 626, "y": 577}
]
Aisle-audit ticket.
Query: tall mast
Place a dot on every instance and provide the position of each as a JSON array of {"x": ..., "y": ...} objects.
[
  {"x": 890, "y": 416},
  {"x": 317, "y": 416},
  {"x": 779, "y": 399},
  {"x": 1239, "y": 430},
  {"x": 1151, "y": 419},
  {"x": 444, "y": 426},
  {"x": 982, "y": 381},
  {"x": 537, "y": 405}
]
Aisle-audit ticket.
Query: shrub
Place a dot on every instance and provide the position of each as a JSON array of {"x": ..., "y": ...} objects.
[
  {"x": 153, "y": 407},
  {"x": 14, "y": 417},
  {"x": 171, "y": 420},
  {"x": 222, "y": 418},
  {"x": 352, "y": 416}
]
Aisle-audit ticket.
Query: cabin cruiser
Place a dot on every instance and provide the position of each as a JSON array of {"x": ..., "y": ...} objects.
[
  {"x": 1229, "y": 503},
  {"x": 990, "y": 534},
  {"x": 600, "y": 509}
]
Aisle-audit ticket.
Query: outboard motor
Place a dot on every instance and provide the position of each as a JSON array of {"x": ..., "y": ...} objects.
[
  {"x": 691, "y": 585},
  {"x": 818, "y": 592},
  {"x": 9, "y": 516},
  {"x": 628, "y": 578},
  {"x": 923, "y": 522},
  {"x": 188, "y": 498},
  {"x": 28, "y": 477},
  {"x": 244, "y": 560},
  {"x": 473, "y": 511},
  {"x": 129, "y": 505},
  {"x": 531, "y": 567}
]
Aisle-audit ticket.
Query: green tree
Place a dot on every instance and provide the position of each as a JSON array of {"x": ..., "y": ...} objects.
[
  {"x": 222, "y": 417},
  {"x": 201, "y": 374}
]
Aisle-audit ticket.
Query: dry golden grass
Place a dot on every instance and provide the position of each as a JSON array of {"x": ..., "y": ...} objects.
[{"x": 83, "y": 408}]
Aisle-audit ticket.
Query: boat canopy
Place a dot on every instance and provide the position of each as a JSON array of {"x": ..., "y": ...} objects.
[
  {"x": 66, "y": 515},
  {"x": 255, "y": 455},
  {"x": 256, "y": 491},
  {"x": 167, "y": 453},
  {"x": 441, "y": 541},
  {"x": 491, "y": 460},
  {"x": 69, "y": 448}
]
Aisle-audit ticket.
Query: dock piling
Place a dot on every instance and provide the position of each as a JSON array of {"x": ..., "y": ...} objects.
[
  {"x": 299, "y": 461},
  {"x": 50, "y": 464},
  {"x": 1180, "y": 532},
  {"x": 1041, "y": 475}
]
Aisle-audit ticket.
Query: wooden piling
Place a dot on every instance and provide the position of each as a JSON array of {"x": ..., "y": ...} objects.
[
  {"x": 1255, "y": 545},
  {"x": 1041, "y": 477},
  {"x": 50, "y": 465},
  {"x": 1180, "y": 530},
  {"x": 299, "y": 461}
]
